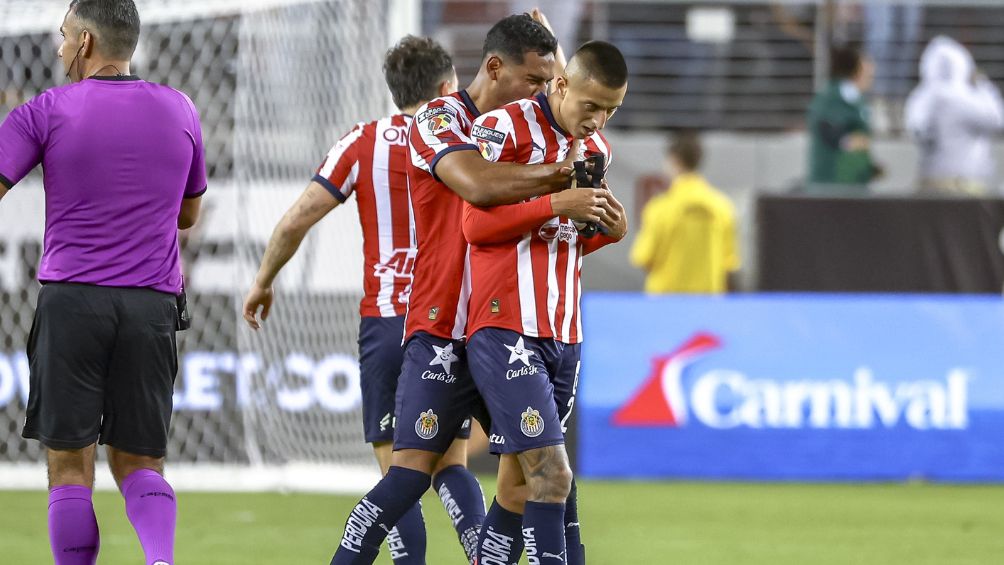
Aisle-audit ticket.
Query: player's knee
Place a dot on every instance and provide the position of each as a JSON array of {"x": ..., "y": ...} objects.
[
  {"x": 123, "y": 464},
  {"x": 552, "y": 483},
  {"x": 513, "y": 497},
  {"x": 416, "y": 460},
  {"x": 71, "y": 466},
  {"x": 455, "y": 456}
]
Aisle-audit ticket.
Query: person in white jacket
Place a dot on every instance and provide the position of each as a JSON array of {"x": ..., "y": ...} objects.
[{"x": 954, "y": 114}]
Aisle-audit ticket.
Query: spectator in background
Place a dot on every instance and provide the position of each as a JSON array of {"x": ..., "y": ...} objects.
[
  {"x": 892, "y": 35},
  {"x": 840, "y": 161},
  {"x": 954, "y": 114},
  {"x": 687, "y": 241}
]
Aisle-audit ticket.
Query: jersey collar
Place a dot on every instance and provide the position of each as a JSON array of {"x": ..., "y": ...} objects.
[
  {"x": 466, "y": 99},
  {"x": 546, "y": 107},
  {"x": 115, "y": 77}
]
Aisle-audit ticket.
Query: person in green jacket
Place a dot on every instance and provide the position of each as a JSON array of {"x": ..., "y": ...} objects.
[{"x": 840, "y": 161}]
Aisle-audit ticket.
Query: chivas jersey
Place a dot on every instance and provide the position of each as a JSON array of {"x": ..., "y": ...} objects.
[{"x": 372, "y": 162}]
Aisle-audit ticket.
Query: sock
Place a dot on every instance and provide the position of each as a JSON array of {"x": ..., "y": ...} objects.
[
  {"x": 73, "y": 528},
  {"x": 374, "y": 516},
  {"x": 544, "y": 533},
  {"x": 501, "y": 539},
  {"x": 406, "y": 540},
  {"x": 461, "y": 494},
  {"x": 153, "y": 512},
  {"x": 573, "y": 539}
]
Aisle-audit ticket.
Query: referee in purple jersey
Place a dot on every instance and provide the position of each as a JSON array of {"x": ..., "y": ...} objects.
[{"x": 124, "y": 169}]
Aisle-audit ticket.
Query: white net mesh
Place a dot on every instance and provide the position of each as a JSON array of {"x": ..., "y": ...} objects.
[{"x": 276, "y": 83}]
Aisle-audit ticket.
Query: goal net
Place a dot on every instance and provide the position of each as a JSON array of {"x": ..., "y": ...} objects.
[{"x": 276, "y": 83}]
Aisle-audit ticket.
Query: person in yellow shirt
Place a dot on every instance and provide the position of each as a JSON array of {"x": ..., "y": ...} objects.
[{"x": 687, "y": 241}]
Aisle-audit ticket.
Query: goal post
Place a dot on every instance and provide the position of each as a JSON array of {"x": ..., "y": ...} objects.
[{"x": 276, "y": 82}]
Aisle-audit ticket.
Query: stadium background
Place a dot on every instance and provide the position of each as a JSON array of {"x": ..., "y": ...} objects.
[{"x": 277, "y": 80}]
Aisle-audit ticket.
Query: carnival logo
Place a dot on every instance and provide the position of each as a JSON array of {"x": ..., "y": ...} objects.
[{"x": 675, "y": 395}]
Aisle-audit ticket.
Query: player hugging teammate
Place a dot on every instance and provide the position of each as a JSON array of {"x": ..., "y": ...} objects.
[{"x": 519, "y": 281}]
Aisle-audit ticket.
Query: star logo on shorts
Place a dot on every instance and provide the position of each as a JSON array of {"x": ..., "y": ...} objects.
[
  {"x": 444, "y": 356},
  {"x": 519, "y": 351}
]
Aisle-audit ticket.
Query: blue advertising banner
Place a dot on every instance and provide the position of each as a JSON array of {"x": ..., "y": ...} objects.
[{"x": 793, "y": 387}]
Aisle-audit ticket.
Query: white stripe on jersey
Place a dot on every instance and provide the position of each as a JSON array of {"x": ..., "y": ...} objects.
[
  {"x": 573, "y": 261},
  {"x": 385, "y": 220},
  {"x": 335, "y": 155},
  {"x": 460, "y": 322},
  {"x": 527, "y": 301},
  {"x": 578, "y": 303},
  {"x": 552, "y": 281},
  {"x": 539, "y": 152}
]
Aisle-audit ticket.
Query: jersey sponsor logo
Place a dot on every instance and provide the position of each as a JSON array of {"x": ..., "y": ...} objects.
[
  {"x": 427, "y": 425},
  {"x": 396, "y": 545},
  {"x": 728, "y": 399},
  {"x": 530, "y": 546},
  {"x": 444, "y": 356},
  {"x": 485, "y": 149},
  {"x": 497, "y": 439},
  {"x": 441, "y": 377},
  {"x": 554, "y": 229},
  {"x": 361, "y": 519},
  {"x": 453, "y": 509},
  {"x": 432, "y": 112},
  {"x": 439, "y": 123},
  {"x": 488, "y": 134},
  {"x": 385, "y": 422},
  {"x": 401, "y": 263},
  {"x": 530, "y": 423},
  {"x": 396, "y": 135},
  {"x": 496, "y": 548},
  {"x": 519, "y": 351},
  {"x": 521, "y": 372}
]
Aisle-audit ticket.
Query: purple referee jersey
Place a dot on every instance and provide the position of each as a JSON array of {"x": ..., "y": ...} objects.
[{"x": 118, "y": 155}]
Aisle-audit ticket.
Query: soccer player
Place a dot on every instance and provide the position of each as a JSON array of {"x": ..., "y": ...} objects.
[
  {"x": 524, "y": 325},
  {"x": 371, "y": 162},
  {"x": 435, "y": 392},
  {"x": 124, "y": 169}
]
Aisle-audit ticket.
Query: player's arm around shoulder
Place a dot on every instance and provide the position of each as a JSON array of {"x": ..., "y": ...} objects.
[{"x": 489, "y": 177}]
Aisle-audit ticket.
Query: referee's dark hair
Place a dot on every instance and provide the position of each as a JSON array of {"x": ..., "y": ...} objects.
[
  {"x": 414, "y": 69},
  {"x": 114, "y": 22},
  {"x": 515, "y": 35},
  {"x": 602, "y": 62},
  {"x": 686, "y": 147},
  {"x": 845, "y": 61}
]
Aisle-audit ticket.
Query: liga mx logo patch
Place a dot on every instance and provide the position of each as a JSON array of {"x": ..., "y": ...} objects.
[
  {"x": 439, "y": 123},
  {"x": 531, "y": 424},
  {"x": 427, "y": 425},
  {"x": 485, "y": 149}
]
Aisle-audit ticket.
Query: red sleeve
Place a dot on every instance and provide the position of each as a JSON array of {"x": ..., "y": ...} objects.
[
  {"x": 596, "y": 242},
  {"x": 502, "y": 223}
]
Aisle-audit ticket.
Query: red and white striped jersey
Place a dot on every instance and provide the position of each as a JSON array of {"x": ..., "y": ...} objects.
[
  {"x": 372, "y": 162},
  {"x": 530, "y": 283},
  {"x": 442, "y": 278}
]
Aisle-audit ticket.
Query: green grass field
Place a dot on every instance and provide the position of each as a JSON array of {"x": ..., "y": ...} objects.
[{"x": 623, "y": 524}]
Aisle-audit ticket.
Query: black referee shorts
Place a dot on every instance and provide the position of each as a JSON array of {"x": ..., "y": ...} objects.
[{"x": 103, "y": 362}]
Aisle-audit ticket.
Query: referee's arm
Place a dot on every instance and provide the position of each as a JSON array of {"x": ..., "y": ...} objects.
[
  {"x": 189, "y": 214},
  {"x": 4, "y": 186}
]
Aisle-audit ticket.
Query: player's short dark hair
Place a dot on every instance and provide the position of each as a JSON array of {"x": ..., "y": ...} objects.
[
  {"x": 414, "y": 68},
  {"x": 603, "y": 62},
  {"x": 116, "y": 23},
  {"x": 845, "y": 61},
  {"x": 686, "y": 147},
  {"x": 518, "y": 34}
]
